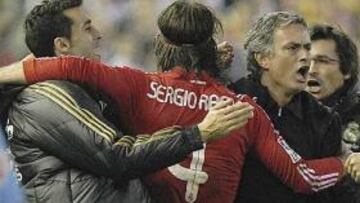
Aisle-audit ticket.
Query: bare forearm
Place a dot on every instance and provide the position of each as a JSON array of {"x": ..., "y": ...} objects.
[{"x": 12, "y": 74}]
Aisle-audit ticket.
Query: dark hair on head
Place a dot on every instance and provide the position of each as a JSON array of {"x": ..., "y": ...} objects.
[
  {"x": 187, "y": 37},
  {"x": 45, "y": 22},
  {"x": 345, "y": 49}
]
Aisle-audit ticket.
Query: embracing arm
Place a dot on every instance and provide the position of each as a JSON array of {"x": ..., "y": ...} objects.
[
  {"x": 31, "y": 70},
  {"x": 36, "y": 70},
  {"x": 114, "y": 82},
  {"x": 13, "y": 74},
  {"x": 303, "y": 176},
  {"x": 81, "y": 137}
]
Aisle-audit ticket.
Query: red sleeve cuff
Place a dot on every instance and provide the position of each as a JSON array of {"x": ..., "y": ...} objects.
[{"x": 29, "y": 71}]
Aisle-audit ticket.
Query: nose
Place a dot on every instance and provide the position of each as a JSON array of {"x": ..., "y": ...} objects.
[
  {"x": 304, "y": 55},
  {"x": 96, "y": 34},
  {"x": 313, "y": 69}
]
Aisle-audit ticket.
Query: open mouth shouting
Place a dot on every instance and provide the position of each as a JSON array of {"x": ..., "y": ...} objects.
[
  {"x": 313, "y": 86},
  {"x": 302, "y": 74}
]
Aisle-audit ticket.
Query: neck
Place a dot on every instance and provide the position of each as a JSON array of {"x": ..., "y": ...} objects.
[
  {"x": 277, "y": 92},
  {"x": 335, "y": 97}
]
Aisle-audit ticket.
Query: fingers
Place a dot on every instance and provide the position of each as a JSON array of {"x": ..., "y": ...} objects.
[
  {"x": 227, "y": 59},
  {"x": 235, "y": 107},
  {"x": 225, "y": 52},
  {"x": 236, "y": 125},
  {"x": 355, "y": 174},
  {"x": 357, "y": 179},
  {"x": 223, "y": 118},
  {"x": 243, "y": 113},
  {"x": 225, "y": 47},
  {"x": 238, "y": 117},
  {"x": 352, "y": 166},
  {"x": 221, "y": 104},
  {"x": 232, "y": 114},
  {"x": 347, "y": 162},
  {"x": 351, "y": 161}
]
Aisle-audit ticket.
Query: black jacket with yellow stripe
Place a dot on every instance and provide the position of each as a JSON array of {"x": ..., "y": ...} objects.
[{"x": 67, "y": 152}]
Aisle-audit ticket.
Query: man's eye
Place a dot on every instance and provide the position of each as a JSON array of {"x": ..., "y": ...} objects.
[{"x": 321, "y": 60}]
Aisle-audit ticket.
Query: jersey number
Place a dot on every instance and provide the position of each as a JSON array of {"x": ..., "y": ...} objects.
[{"x": 194, "y": 176}]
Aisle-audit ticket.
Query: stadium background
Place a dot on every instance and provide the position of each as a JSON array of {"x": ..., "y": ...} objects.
[{"x": 128, "y": 26}]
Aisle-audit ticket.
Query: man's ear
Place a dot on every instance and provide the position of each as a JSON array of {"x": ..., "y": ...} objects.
[
  {"x": 62, "y": 46},
  {"x": 263, "y": 60}
]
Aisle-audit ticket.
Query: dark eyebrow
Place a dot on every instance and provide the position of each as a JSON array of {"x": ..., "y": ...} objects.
[
  {"x": 289, "y": 44},
  {"x": 321, "y": 56},
  {"x": 307, "y": 45},
  {"x": 87, "y": 22}
]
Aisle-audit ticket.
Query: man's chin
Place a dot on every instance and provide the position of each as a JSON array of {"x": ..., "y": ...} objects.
[
  {"x": 299, "y": 87},
  {"x": 317, "y": 95}
]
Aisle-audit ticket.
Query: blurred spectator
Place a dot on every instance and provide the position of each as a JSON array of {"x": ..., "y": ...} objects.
[{"x": 10, "y": 31}]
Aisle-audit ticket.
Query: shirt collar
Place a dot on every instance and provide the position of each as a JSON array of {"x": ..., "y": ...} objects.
[
  {"x": 255, "y": 89},
  {"x": 179, "y": 72}
]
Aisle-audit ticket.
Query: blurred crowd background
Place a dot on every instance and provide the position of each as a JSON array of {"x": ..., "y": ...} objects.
[{"x": 129, "y": 26}]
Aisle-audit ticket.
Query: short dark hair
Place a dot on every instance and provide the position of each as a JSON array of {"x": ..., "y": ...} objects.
[
  {"x": 45, "y": 22},
  {"x": 187, "y": 37},
  {"x": 345, "y": 49}
]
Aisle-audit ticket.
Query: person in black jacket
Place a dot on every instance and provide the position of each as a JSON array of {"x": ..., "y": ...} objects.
[
  {"x": 64, "y": 148},
  {"x": 334, "y": 76},
  {"x": 278, "y": 59},
  {"x": 333, "y": 80}
]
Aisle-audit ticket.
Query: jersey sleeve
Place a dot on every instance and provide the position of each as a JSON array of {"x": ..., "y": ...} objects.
[
  {"x": 303, "y": 176},
  {"x": 115, "y": 82}
]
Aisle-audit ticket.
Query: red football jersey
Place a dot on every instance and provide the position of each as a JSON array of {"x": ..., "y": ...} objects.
[{"x": 150, "y": 101}]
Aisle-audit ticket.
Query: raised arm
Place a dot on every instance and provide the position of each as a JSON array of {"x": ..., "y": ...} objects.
[
  {"x": 31, "y": 70},
  {"x": 93, "y": 73}
]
